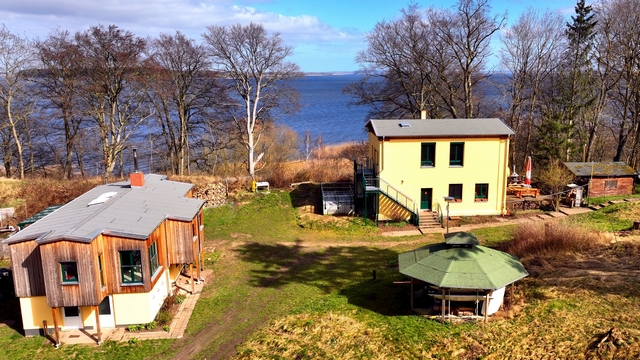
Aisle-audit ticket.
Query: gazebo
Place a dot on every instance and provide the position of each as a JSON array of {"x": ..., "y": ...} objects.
[{"x": 460, "y": 270}]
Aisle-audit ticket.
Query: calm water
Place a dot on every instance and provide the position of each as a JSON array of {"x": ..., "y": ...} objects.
[{"x": 325, "y": 110}]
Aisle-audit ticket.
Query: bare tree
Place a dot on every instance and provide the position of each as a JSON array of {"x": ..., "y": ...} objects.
[
  {"x": 530, "y": 53},
  {"x": 257, "y": 64},
  {"x": 618, "y": 38},
  {"x": 467, "y": 33},
  {"x": 426, "y": 63},
  {"x": 17, "y": 60},
  {"x": 183, "y": 92},
  {"x": 112, "y": 88},
  {"x": 59, "y": 80}
]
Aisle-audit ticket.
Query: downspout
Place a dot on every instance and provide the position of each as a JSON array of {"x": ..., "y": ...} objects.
[
  {"x": 381, "y": 156},
  {"x": 504, "y": 177}
]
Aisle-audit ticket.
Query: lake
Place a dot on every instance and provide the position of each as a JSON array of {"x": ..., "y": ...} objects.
[{"x": 325, "y": 110}]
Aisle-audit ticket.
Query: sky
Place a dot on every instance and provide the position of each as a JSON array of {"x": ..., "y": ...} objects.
[{"x": 326, "y": 35}]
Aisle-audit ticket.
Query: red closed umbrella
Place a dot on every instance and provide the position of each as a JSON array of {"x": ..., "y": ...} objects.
[{"x": 527, "y": 179}]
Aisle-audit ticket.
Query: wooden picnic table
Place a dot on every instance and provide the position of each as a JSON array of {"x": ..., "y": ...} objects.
[{"x": 521, "y": 191}]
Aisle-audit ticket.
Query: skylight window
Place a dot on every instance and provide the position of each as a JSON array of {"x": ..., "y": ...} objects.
[
  {"x": 404, "y": 125},
  {"x": 102, "y": 198}
]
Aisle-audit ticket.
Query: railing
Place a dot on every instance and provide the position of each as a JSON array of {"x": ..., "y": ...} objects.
[
  {"x": 398, "y": 196},
  {"x": 438, "y": 210}
]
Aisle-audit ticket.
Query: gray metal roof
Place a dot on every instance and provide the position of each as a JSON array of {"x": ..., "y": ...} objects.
[
  {"x": 425, "y": 128},
  {"x": 132, "y": 212},
  {"x": 617, "y": 168}
]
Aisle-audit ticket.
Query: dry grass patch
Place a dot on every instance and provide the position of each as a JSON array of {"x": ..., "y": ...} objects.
[
  {"x": 317, "y": 336},
  {"x": 550, "y": 239}
]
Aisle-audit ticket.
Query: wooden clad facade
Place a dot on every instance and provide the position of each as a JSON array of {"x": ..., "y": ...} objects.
[
  {"x": 611, "y": 186},
  {"x": 28, "y": 277}
]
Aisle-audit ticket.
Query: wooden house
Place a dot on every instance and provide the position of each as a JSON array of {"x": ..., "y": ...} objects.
[
  {"x": 109, "y": 257},
  {"x": 604, "y": 178}
]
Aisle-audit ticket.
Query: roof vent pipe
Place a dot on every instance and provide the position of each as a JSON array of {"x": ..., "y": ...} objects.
[
  {"x": 135, "y": 160},
  {"x": 423, "y": 114}
]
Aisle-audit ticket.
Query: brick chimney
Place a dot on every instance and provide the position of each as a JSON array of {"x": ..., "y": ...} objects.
[{"x": 136, "y": 178}]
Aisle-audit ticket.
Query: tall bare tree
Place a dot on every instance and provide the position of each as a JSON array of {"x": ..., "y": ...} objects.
[
  {"x": 17, "y": 61},
  {"x": 59, "y": 80},
  {"x": 467, "y": 32},
  {"x": 530, "y": 52},
  {"x": 618, "y": 38},
  {"x": 426, "y": 63},
  {"x": 257, "y": 64},
  {"x": 113, "y": 90},
  {"x": 183, "y": 91}
]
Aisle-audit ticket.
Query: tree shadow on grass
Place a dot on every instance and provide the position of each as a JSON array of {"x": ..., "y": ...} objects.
[{"x": 346, "y": 270}]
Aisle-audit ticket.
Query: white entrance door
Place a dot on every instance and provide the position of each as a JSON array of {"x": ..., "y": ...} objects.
[
  {"x": 72, "y": 317},
  {"x": 105, "y": 309}
]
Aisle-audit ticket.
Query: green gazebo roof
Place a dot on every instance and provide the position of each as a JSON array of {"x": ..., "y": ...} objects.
[{"x": 463, "y": 267}]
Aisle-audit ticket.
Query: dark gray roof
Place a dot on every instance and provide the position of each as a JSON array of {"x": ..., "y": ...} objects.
[
  {"x": 132, "y": 212},
  {"x": 425, "y": 128},
  {"x": 618, "y": 168}
]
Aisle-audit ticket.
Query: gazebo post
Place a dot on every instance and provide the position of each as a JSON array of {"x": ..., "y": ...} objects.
[
  {"x": 444, "y": 303},
  {"x": 486, "y": 306},
  {"x": 411, "y": 293}
]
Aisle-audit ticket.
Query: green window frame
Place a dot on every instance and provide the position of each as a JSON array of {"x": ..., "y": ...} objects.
[
  {"x": 428, "y": 155},
  {"x": 131, "y": 267},
  {"x": 69, "y": 272},
  {"x": 456, "y": 154},
  {"x": 455, "y": 191},
  {"x": 482, "y": 192},
  {"x": 101, "y": 267},
  {"x": 153, "y": 258}
]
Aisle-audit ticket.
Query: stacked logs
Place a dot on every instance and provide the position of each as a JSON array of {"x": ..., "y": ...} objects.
[{"x": 214, "y": 194}]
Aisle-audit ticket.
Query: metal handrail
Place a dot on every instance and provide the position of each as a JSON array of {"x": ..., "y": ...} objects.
[{"x": 406, "y": 201}]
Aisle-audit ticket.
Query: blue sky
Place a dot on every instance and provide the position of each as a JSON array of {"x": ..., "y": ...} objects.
[{"x": 326, "y": 34}]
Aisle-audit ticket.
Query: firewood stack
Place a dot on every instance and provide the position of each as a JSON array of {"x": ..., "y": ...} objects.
[{"x": 214, "y": 194}]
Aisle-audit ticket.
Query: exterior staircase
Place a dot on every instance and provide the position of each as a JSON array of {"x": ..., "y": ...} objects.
[{"x": 429, "y": 220}]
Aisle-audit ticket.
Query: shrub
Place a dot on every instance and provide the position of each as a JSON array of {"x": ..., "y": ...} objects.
[
  {"x": 134, "y": 328},
  {"x": 549, "y": 239},
  {"x": 166, "y": 328},
  {"x": 150, "y": 326},
  {"x": 180, "y": 299},
  {"x": 163, "y": 317}
]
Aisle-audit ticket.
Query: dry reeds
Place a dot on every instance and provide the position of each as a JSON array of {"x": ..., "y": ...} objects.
[
  {"x": 317, "y": 336},
  {"x": 550, "y": 239}
]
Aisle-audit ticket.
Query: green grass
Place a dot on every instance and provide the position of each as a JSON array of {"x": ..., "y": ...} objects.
[
  {"x": 614, "y": 217},
  {"x": 276, "y": 279}
]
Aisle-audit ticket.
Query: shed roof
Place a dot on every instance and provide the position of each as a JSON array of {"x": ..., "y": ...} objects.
[
  {"x": 434, "y": 128},
  {"x": 130, "y": 212},
  {"x": 617, "y": 168}
]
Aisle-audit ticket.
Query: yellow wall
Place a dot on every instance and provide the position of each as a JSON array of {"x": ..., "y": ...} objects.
[
  {"x": 174, "y": 271},
  {"x": 34, "y": 311},
  {"x": 485, "y": 161},
  {"x": 140, "y": 308}
]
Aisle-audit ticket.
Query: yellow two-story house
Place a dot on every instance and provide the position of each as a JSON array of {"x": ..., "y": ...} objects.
[{"x": 430, "y": 162}]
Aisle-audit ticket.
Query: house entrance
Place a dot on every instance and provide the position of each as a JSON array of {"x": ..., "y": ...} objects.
[
  {"x": 425, "y": 198},
  {"x": 71, "y": 317},
  {"x": 105, "y": 309}
]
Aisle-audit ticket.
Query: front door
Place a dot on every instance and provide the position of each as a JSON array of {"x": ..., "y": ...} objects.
[
  {"x": 105, "y": 309},
  {"x": 425, "y": 199},
  {"x": 72, "y": 317}
]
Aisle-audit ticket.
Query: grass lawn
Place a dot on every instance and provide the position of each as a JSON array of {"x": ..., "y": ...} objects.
[{"x": 285, "y": 285}]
